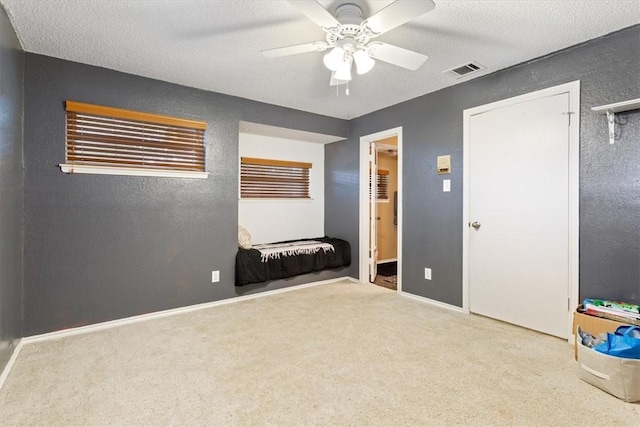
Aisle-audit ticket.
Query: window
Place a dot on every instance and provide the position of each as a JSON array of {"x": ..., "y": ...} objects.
[
  {"x": 275, "y": 179},
  {"x": 113, "y": 141},
  {"x": 382, "y": 185}
]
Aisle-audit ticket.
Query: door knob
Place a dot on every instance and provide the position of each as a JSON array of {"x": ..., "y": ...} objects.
[{"x": 475, "y": 224}]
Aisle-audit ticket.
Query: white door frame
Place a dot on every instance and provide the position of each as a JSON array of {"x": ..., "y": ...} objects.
[
  {"x": 573, "y": 89},
  {"x": 364, "y": 201}
]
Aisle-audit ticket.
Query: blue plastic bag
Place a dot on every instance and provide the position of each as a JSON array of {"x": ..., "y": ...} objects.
[{"x": 624, "y": 343}]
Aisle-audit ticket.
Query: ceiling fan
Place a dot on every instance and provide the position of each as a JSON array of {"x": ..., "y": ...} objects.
[{"x": 349, "y": 37}]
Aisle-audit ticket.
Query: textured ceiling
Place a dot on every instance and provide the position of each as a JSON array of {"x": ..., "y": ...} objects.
[{"x": 215, "y": 45}]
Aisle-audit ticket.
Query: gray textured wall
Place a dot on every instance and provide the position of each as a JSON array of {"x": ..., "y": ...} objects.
[
  {"x": 11, "y": 187},
  {"x": 609, "y": 69},
  {"x": 100, "y": 247}
]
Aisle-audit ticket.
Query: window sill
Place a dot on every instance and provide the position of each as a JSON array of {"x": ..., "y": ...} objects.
[
  {"x": 108, "y": 170},
  {"x": 274, "y": 200}
]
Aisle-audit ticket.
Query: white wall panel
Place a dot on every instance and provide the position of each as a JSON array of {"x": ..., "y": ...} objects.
[{"x": 277, "y": 220}]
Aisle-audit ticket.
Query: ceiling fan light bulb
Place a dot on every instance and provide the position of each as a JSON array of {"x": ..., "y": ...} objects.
[
  {"x": 364, "y": 63},
  {"x": 334, "y": 59},
  {"x": 344, "y": 71}
]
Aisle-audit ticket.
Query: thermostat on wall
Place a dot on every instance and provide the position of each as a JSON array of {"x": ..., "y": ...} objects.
[{"x": 444, "y": 165}]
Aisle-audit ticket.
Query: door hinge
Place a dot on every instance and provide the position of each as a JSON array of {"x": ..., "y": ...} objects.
[
  {"x": 569, "y": 304},
  {"x": 569, "y": 113}
]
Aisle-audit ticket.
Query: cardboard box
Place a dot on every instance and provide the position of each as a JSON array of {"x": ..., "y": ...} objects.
[
  {"x": 592, "y": 324},
  {"x": 615, "y": 375}
]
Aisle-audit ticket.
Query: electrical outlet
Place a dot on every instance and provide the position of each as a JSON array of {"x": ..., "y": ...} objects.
[
  {"x": 427, "y": 273},
  {"x": 215, "y": 276}
]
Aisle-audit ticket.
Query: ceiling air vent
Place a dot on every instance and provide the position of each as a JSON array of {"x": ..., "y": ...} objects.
[{"x": 464, "y": 70}]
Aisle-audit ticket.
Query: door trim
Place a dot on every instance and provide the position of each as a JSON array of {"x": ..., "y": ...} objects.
[
  {"x": 364, "y": 201},
  {"x": 573, "y": 89}
]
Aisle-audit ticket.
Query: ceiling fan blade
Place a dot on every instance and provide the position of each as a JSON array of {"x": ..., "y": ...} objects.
[
  {"x": 315, "y": 12},
  {"x": 336, "y": 82},
  {"x": 293, "y": 50},
  {"x": 396, "y": 55},
  {"x": 396, "y": 14}
]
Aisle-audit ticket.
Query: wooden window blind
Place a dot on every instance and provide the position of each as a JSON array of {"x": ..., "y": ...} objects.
[
  {"x": 279, "y": 179},
  {"x": 382, "y": 185},
  {"x": 116, "y": 138}
]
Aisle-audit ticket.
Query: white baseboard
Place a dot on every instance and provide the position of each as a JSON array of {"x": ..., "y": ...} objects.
[
  {"x": 165, "y": 313},
  {"x": 382, "y": 261},
  {"x": 434, "y": 302},
  {"x": 12, "y": 360}
]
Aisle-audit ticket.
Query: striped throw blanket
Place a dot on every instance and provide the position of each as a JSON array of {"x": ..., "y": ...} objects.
[{"x": 276, "y": 250}]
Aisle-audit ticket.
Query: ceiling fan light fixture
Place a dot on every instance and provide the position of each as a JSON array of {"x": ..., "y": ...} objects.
[
  {"x": 349, "y": 37},
  {"x": 364, "y": 63},
  {"x": 334, "y": 59},
  {"x": 344, "y": 71}
]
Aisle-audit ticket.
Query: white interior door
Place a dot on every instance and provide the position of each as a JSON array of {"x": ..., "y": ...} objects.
[
  {"x": 519, "y": 214},
  {"x": 373, "y": 233}
]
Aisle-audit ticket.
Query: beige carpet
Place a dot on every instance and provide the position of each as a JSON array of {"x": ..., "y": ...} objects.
[{"x": 338, "y": 354}]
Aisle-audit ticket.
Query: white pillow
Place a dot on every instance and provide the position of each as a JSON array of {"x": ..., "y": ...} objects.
[{"x": 244, "y": 238}]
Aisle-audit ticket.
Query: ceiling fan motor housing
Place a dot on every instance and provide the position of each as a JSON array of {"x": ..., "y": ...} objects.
[
  {"x": 349, "y": 14},
  {"x": 351, "y": 34}
]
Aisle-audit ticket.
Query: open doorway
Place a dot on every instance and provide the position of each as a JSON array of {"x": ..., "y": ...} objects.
[
  {"x": 381, "y": 209},
  {"x": 386, "y": 214}
]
